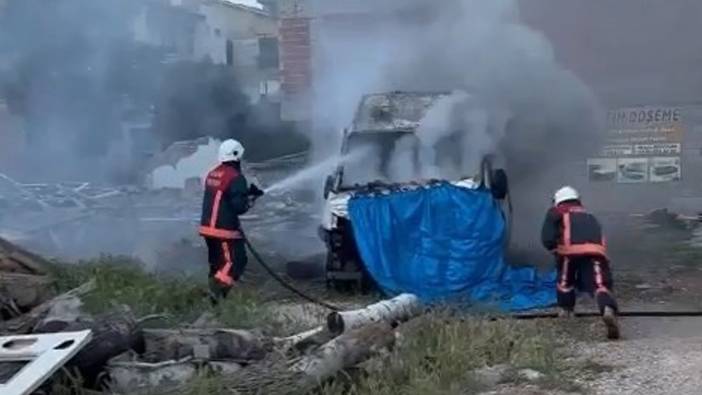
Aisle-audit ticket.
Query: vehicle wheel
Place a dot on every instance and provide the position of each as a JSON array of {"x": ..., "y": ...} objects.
[{"x": 499, "y": 185}]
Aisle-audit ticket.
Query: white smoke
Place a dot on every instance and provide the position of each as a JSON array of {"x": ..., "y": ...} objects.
[
  {"x": 512, "y": 96},
  {"x": 478, "y": 48}
]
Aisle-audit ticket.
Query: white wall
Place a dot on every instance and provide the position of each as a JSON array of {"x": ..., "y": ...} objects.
[{"x": 195, "y": 165}]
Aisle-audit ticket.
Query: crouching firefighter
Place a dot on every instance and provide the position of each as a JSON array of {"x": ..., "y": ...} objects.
[
  {"x": 576, "y": 238},
  {"x": 226, "y": 197}
]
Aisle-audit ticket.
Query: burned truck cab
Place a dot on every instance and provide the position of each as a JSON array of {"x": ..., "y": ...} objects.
[{"x": 383, "y": 150}]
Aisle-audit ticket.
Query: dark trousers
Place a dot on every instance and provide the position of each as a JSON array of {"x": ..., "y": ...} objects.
[
  {"x": 227, "y": 259},
  {"x": 586, "y": 274}
]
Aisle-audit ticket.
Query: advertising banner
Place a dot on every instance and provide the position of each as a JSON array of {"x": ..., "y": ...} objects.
[{"x": 643, "y": 144}]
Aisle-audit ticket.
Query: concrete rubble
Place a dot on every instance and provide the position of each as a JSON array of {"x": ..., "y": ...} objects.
[{"x": 78, "y": 220}]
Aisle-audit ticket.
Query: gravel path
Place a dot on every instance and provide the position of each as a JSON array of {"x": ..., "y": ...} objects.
[{"x": 655, "y": 356}]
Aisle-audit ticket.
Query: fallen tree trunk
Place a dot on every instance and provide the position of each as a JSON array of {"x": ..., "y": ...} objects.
[
  {"x": 25, "y": 291},
  {"x": 114, "y": 333},
  {"x": 26, "y": 323},
  {"x": 398, "y": 309},
  {"x": 304, "y": 339},
  {"x": 135, "y": 377},
  {"x": 14, "y": 258},
  {"x": 231, "y": 344},
  {"x": 307, "y": 373},
  {"x": 129, "y": 375},
  {"x": 343, "y": 352}
]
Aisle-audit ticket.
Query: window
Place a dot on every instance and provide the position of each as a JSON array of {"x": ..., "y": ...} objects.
[
  {"x": 268, "y": 53},
  {"x": 230, "y": 53}
]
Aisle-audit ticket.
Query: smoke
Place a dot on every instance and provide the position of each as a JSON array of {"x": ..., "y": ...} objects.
[
  {"x": 100, "y": 84},
  {"x": 61, "y": 56},
  {"x": 462, "y": 117},
  {"x": 511, "y": 97}
]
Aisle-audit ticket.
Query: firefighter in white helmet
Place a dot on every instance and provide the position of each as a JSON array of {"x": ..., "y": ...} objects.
[
  {"x": 227, "y": 196},
  {"x": 576, "y": 239}
]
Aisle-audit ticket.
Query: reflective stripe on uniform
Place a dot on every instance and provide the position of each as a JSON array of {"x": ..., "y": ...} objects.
[
  {"x": 220, "y": 233},
  {"x": 568, "y": 248},
  {"x": 222, "y": 274},
  {"x": 215, "y": 209},
  {"x": 582, "y": 249},
  {"x": 599, "y": 280},
  {"x": 563, "y": 283},
  {"x": 566, "y": 229}
]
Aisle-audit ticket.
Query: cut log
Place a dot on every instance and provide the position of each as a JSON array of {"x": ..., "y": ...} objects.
[
  {"x": 286, "y": 343},
  {"x": 343, "y": 352},
  {"x": 24, "y": 290},
  {"x": 26, "y": 323},
  {"x": 398, "y": 309},
  {"x": 63, "y": 312},
  {"x": 114, "y": 333},
  {"x": 231, "y": 344},
  {"x": 14, "y": 258},
  {"x": 130, "y": 377},
  {"x": 308, "y": 372}
]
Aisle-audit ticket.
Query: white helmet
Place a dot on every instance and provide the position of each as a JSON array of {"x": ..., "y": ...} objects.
[
  {"x": 564, "y": 194},
  {"x": 230, "y": 150}
]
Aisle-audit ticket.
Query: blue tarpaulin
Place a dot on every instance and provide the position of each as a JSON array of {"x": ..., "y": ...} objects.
[{"x": 442, "y": 243}]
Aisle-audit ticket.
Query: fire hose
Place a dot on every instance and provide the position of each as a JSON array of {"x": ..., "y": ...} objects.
[
  {"x": 519, "y": 316},
  {"x": 284, "y": 283},
  {"x": 688, "y": 313}
]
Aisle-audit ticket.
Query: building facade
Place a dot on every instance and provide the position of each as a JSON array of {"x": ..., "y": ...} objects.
[
  {"x": 246, "y": 39},
  {"x": 217, "y": 31}
]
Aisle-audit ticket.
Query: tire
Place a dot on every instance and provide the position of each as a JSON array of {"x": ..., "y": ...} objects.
[{"x": 499, "y": 184}]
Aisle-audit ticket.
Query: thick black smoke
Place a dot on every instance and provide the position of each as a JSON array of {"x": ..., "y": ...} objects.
[{"x": 74, "y": 71}]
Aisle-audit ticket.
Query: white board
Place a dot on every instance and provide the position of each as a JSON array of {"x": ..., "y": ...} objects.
[{"x": 44, "y": 355}]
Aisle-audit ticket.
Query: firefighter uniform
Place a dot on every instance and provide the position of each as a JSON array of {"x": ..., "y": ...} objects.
[
  {"x": 226, "y": 197},
  {"x": 575, "y": 237}
]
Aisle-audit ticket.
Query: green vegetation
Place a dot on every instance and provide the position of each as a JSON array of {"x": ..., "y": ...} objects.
[
  {"x": 437, "y": 353},
  {"x": 122, "y": 281}
]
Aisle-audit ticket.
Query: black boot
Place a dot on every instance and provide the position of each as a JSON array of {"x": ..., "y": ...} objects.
[{"x": 609, "y": 317}]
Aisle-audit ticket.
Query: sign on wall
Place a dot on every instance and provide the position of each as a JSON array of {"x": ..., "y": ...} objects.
[{"x": 642, "y": 145}]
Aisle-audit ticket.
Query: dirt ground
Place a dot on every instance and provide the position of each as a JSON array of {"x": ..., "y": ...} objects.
[{"x": 656, "y": 269}]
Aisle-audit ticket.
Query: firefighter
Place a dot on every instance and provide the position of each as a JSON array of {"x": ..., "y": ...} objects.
[
  {"x": 226, "y": 197},
  {"x": 576, "y": 239}
]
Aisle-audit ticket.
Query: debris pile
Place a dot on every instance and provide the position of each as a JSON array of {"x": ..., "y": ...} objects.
[
  {"x": 78, "y": 220},
  {"x": 113, "y": 352},
  {"x": 664, "y": 218},
  {"x": 24, "y": 283}
]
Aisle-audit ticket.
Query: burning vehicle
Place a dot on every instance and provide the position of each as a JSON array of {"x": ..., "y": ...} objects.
[{"x": 386, "y": 125}]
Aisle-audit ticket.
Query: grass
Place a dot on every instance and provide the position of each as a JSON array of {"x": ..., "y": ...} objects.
[
  {"x": 122, "y": 281},
  {"x": 438, "y": 355}
]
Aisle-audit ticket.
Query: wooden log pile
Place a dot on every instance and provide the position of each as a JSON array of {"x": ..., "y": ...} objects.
[
  {"x": 24, "y": 280},
  {"x": 296, "y": 364},
  {"x": 123, "y": 357}
]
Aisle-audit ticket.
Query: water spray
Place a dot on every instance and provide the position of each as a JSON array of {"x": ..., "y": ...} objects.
[{"x": 316, "y": 171}]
